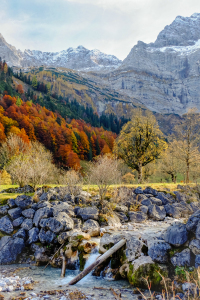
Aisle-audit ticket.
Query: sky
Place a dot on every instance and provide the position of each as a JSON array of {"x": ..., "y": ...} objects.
[{"x": 111, "y": 26}]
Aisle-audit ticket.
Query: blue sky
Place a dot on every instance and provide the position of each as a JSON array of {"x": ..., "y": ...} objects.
[{"x": 112, "y": 26}]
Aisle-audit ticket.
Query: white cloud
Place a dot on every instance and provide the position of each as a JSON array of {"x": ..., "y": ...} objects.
[{"x": 112, "y": 26}]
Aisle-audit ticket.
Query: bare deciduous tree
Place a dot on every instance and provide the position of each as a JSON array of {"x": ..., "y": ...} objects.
[{"x": 104, "y": 172}]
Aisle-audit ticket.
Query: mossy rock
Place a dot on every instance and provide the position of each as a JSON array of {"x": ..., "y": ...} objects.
[{"x": 136, "y": 276}]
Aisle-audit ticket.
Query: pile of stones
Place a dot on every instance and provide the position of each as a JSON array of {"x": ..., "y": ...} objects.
[{"x": 51, "y": 218}]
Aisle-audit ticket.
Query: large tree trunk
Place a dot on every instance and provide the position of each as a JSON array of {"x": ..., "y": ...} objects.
[{"x": 140, "y": 173}]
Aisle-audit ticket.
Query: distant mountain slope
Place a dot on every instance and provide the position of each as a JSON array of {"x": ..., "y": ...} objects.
[
  {"x": 165, "y": 75},
  {"x": 78, "y": 58}
]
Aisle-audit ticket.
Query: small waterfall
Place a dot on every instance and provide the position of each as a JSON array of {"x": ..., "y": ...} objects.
[{"x": 93, "y": 256}]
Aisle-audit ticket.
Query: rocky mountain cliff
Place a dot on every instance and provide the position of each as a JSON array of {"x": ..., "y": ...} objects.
[
  {"x": 165, "y": 75},
  {"x": 78, "y": 58}
]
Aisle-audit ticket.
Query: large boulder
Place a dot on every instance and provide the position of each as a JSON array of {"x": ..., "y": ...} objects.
[
  {"x": 21, "y": 233},
  {"x": 10, "y": 249},
  {"x": 197, "y": 261},
  {"x": 15, "y": 213},
  {"x": 33, "y": 235},
  {"x": 180, "y": 196},
  {"x": 144, "y": 267},
  {"x": 4, "y": 210},
  {"x": 91, "y": 227},
  {"x": 39, "y": 253},
  {"x": 195, "y": 246},
  {"x": 11, "y": 203},
  {"x": 6, "y": 225},
  {"x": 158, "y": 251},
  {"x": 182, "y": 259},
  {"x": 63, "y": 207},
  {"x": 28, "y": 213},
  {"x": 176, "y": 234},
  {"x": 113, "y": 220},
  {"x": 138, "y": 190},
  {"x": 27, "y": 224},
  {"x": 150, "y": 190},
  {"x": 146, "y": 202},
  {"x": 172, "y": 211},
  {"x": 17, "y": 222},
  {"x": 156, "y": 213},
  {"x": 156, "y": 201},
  {"x": 62, "y": 222},
  {"x": 63, "y": 236},
  {"x": 42, "y": 213},
  {"x": 144, "y": 209},
  {"x": 121, "y": 208},
  {"x": 163, "y": 198},
  {"x": 193, "y": 221},
  {"x": 24, "y": 201},
  {"x": 87, "y": 213},
  {"x": 137, "y": 216},
  {"x": 46, "y": 236}
]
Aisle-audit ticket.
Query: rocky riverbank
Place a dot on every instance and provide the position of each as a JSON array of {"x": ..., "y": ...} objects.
[{"x": 38, "y": 229}]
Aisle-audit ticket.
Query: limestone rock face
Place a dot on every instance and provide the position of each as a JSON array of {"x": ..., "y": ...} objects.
[{"x": 164, "y": 75}]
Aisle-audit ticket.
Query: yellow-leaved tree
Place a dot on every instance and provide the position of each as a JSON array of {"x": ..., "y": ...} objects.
[{"x": 140, "y": 141}]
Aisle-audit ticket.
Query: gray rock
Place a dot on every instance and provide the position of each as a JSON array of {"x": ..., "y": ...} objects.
[
  {"x": 11, "y": 203},
  {"x": 91, "y": 227},
  {"x": 144, "y": 209},
  {"x": 138, "y": 190},
  {"x": 195, "y": 246},
  {"x": 42, "y": 213},
  {"x": 121, "y": 208},
  {"x": 113, "y": 220},
  {"x": 172, "y": 211},
  {"x": 137, "y": 217},
  {"x": 158, "y": 251},
  {"x": 15, "y": 213},
  {"x": 21, "y": 233},
  {"x": 157, "y": 213},
  {"x": 62, "y": 222},
  {"x": 6, "y": 225},
  {"x": 40, "y": 255},
  {"x": 17, "y": 222},
  {"x": 24, "y": 201},
  {"x": 33, "y": 235},
  {"x": 27, "y": 224},
  {"x": 163, "y": 198},
  {"x": 46, "y": 236},
  {"x": 63, "y": 207},
  {"x": 44, "y": 197},
  {"x": 182, "y": 259},
  {"x": 180, "y": 196},
  {"x": 4, "y": 210},
  {"x": 10, "y": 249},
  {"x": 150, "y": 190},
  {"x": 197, "y": 261},
  {"x": 198, "y": 231},
  {"x": 193, "y": 221},
  {"x": 156, "y": 201},
  {"x": 28, "y": 213},
  {"x": 63, "y": 236},
  {"x": 43, "y": 204},
  {"x": 141, "y": 197},
  {"x": 123, "y": 218},
  {"x": 176, "y": 234},
  {"x": 146, "y": 202},
  {"x": 87, "y": 213}
]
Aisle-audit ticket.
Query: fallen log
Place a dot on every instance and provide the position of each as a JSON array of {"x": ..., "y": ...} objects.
[{"x": 99, "y": 260}]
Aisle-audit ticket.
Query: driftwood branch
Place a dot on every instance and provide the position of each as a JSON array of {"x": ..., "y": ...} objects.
[
  {"x": 64, "y": 263},
  {"x": 101, "y": 259},
  {"x": 53, "y": 256}
]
